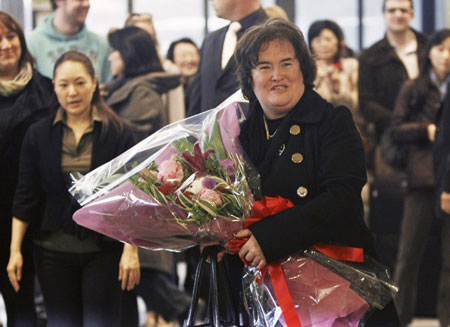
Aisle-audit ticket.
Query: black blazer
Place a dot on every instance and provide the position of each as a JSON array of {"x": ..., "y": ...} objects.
[
  {"x": 211, "y": 84},
  {"x": 381, "y": 76},
  {"x": 331, "y": 174},
  {"x": 42, "y": 195}
]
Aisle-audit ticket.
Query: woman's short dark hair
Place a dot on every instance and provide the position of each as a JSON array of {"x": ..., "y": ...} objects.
[
  {"x": 318, "y": 26},
  {"x": 11, "y": 24},
  {"x": 108, "y": 116},
  {"x": 170, "y": 52},
  {"x": 255, "y": 38},
  {"x": 137, "y": 49}
]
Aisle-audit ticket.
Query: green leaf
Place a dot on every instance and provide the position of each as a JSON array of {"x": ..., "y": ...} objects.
[
  {"x": 183, "y": 145},
  {"x": 215, "y": 142},
  {"x": 209, "y": 207}
]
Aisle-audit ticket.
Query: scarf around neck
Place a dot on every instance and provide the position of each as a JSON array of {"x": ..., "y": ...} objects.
[{"x": 14, "y": 86}]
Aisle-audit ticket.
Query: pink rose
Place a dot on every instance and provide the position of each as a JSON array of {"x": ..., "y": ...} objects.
[
  {"x": 170, "y": 171},
  {"x": 211, "y": 196}
]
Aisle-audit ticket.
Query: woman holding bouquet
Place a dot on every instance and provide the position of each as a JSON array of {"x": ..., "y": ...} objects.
[
  {"x": 305, "y": 150},
  {"x": 77, "y": 268}
]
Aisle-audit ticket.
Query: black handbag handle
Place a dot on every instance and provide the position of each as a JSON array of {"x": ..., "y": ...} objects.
[{"x": 209, "y": 258}]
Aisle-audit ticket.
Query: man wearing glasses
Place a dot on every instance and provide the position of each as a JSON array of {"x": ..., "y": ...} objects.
[{"x": 384, "y": 67}]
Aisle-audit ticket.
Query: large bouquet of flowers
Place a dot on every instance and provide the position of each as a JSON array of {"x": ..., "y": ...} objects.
[{"x": 184, "y": 184}]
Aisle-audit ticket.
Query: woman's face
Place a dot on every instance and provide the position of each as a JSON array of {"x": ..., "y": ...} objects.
[
  {"x": 10, "y": 52},
  {"x": 440, "y": 59},
  {"x": 277, "y": 79},
  {"x": 186, "y": 56},
  {"x": 117, "y": 63},
  {"x": 325, "y": 45},
  {"x": 74, "y": 88}
]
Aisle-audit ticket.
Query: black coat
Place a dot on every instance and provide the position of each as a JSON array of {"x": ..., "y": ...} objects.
[
  {"x": 381, "y": 75},
  {"x": 211, "y": 84},
  {"x": 409, "y": 128},
  {"x": 18, "y": 112},
  {"x": 441, "y": 153},
  {"x": 332, "y": 171},
  {"x": 42, "y": 195}
]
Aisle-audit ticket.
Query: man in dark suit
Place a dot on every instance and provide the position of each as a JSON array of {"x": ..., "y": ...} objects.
[{"x": 213, "y": 84}]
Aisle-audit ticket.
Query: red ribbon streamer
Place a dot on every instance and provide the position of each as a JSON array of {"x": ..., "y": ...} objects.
[{"x": 267, "y": 207}]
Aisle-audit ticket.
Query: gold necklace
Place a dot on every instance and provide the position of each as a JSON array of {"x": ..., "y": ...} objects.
[{"x": 268, "y": 136}]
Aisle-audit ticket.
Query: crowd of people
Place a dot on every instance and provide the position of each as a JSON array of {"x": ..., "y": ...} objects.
[{"x": 71, "y": 100}]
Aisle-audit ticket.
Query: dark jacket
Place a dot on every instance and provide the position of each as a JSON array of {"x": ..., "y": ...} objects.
[
  {"x": 381, "y": 75},
  {"x": 211, "y": 84},
  {"x": 41, "y": 195},
  {"x": 18, "y": 112},
  {"x": 408, "y": 128},
  {"x": 138, "y": 100},
  {"x": 441, "y": 153},
  {"x": 332, "y": 172}
]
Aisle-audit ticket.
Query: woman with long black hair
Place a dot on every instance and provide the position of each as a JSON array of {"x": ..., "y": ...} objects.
[
  {"x": 135, "y": 94},
  {"x": 78, "y": 269}
]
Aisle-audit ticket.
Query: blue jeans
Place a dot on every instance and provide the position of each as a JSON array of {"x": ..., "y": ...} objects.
[{"x": 80, "y": 289}]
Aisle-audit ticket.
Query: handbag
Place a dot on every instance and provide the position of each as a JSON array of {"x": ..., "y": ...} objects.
[
  {"x": 215, "y": 316},
  {"x": 393, "y": 153}
]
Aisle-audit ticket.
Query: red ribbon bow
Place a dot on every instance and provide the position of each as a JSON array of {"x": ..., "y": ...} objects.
[{"x": 268, "y": 206}]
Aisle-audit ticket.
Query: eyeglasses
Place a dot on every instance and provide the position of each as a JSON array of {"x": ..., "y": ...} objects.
[{"x": 402, "y": 10}]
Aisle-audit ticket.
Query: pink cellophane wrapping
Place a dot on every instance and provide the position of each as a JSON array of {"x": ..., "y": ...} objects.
[
  {"x": 118, "y": 208},
  {"x": 130, "y": 215},
  {"x": 321, "y": 297}
]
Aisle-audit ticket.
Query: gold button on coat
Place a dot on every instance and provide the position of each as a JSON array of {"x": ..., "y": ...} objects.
[
  {"x": 294, "y": 130},
  {"x": 302, "y": 191},
  {"x": 297, "y": 158}
]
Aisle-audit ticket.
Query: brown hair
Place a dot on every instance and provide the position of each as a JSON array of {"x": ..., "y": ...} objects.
[
  {"x": 12, "y": 25},
  {"x": 384, "y": 4},
  {"x": 108, "y": 116}
]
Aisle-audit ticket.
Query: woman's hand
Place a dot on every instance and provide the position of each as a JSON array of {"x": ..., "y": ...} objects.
[
  {"x": 251, "y": 251},
  {"x": 445, "y": 202},
  {"x": 15, "y": 263},
  {"x": 129, "y": 267},
  {"x": 14, "y": 269},
  {"x": 431, "y": 130}
]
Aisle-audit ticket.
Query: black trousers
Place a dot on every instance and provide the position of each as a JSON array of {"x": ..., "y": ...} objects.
[{"x": 80, "y": 289}]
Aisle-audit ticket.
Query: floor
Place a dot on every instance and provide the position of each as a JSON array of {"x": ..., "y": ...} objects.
[{"x": 418, "y": 322}]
